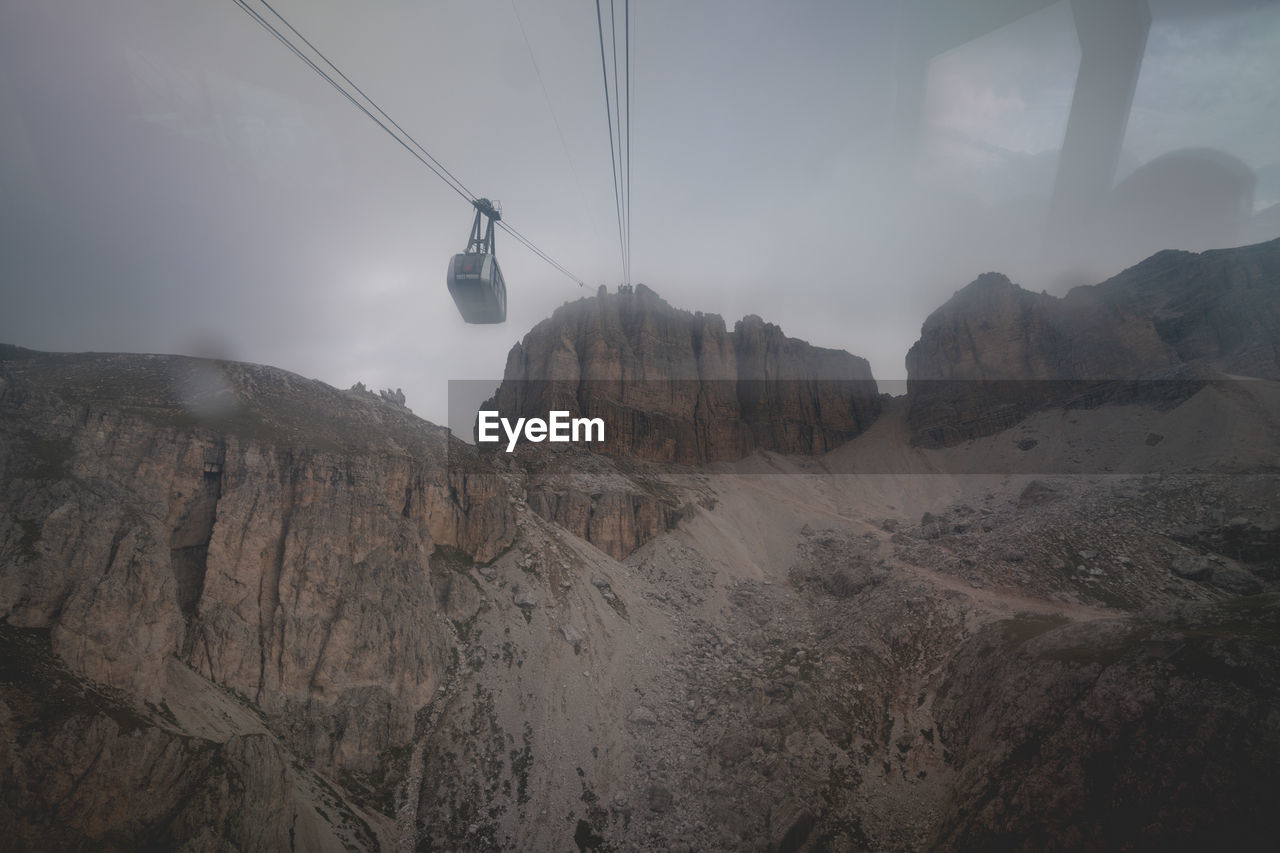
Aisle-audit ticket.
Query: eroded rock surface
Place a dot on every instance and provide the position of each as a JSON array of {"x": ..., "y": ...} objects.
[
  {"x": 994, "y": 352},
  {"x": 272, "y": 538},
  {"x": 678, "y": 387}
]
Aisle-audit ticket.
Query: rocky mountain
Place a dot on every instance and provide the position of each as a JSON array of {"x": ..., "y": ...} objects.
[
  {"x": 173, "y": 522},
  {"x": 677, "y": 387},
  {"x": 674, "y": 387},
  {"x": 995, "y": 352},
  {"x": 242, "y": 610}
]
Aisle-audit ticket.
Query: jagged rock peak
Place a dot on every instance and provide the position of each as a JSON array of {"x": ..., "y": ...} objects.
[
  {"x": 1173, "y": 313},
  {"x": 677, "y": 386},
  {"x": 985, "y": 284}
]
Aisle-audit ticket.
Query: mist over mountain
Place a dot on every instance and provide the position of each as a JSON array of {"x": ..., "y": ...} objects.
[
  {"x": 1033, "y": 604},
  {"x": 678, "y": 387},
  {"x": 995, "y": 352}
]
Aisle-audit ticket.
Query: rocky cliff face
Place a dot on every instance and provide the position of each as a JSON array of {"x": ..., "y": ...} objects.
[
  {"x": 678, "y": 387},
  {"x": 995, "y": 352},
  {"x": 1220, "y": 309},
  {"x": 614, "y": 512},
  {"x": 268, "y": 532}
]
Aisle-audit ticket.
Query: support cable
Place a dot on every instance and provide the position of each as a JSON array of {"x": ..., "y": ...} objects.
[
  {"x": 371, "y": 101},
  {"x": 617, "y": 118},
  {"x": 627, "y": 22},
  {"x": 424, "y": 157},
  {"x": 608, "y": 114},
  {"x": 316, "y": 68}
]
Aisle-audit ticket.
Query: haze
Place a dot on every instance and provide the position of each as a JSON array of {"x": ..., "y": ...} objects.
[{"x": 173, "y": 180}]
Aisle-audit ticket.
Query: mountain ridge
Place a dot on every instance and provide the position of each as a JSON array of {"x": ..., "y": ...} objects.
[
  {"x": 994, "y": 353},
  {"x": 241, "y": 609},
  {"x": 677, "y": 386}
]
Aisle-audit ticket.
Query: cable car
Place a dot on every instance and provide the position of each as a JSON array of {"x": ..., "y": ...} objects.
[{"x": 475, "y": 280}]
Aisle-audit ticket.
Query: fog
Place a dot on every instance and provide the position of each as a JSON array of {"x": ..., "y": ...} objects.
[{"x": 173, "y": 180}]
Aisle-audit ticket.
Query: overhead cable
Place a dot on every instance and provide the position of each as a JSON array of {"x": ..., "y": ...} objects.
[
  {"x": 617, "y": 117},
  {"x": 627, "y": 18},
  {"x": 608, "y": 114},
  {"x": 421, "y": 154}
]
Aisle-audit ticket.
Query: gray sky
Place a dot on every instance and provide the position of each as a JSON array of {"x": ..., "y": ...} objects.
[{"x": 173, "y": 180}]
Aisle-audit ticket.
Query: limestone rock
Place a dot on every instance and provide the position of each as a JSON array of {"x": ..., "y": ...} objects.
[
  {"x": 616, "y": 522},
  {"x": 673, "y": 386},
  {"x": 278, "y": 544},
  {"x": 995, "y": 353}
]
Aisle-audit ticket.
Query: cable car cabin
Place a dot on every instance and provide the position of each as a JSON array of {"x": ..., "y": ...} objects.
[
  {"x": 475, "y": 281},
  {"x": 477, "y": 287}
]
